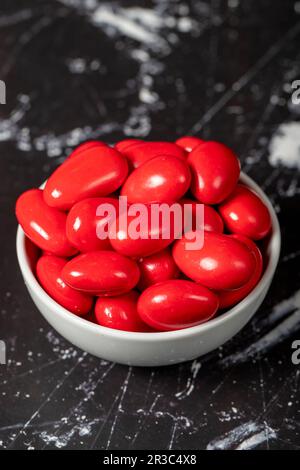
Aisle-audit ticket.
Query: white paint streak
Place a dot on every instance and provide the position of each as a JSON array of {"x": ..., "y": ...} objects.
[
  {"x": 81, "y": 429},
  {"x": 10, "y": 128},
  {"x": 285, "y": 146},
  {"x": 280, "y": 332},
  {"x": 245, "y": 79},
  {"x": 246, "y": 436},
  {"x": 54, "y": 145},
  {"x": 120, "y": 409},
  {"x": 257, "y": 439},
  {"x": 48, "y": 398},
  {"x": 136, "y": 27},
  {"x": 190, "y": 385}
]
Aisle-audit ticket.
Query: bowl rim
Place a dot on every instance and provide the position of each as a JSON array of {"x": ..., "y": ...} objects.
[{"x": 274, "y": 252}]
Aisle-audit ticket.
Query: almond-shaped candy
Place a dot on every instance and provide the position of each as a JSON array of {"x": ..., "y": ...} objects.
[
  {"x": 142, "y": 235},
  {"x": 138, "y": 153},
  {"x": 244, "y": 213},
  {"x": 176, "y": 304},
  {"x": 228, "y": 298},
  {"x": 189, "y": 142},
  {"x": 123, "y": 145},
  {"x": 86, "y": 146},
  {"x": 48, "y": 271},
  {"x": 101, "y": 273},
  {"x": 157, "y": 268},
  {"x": 88, "y": 222},
  {"x": 120, "y": 313},
  {"x": 220, "y": 263},
  {"x": 44, "y": 225},
  {"x": 97, "y": 171},
  {"x": 215, "y": 172},
  {"x": 161, "y": 179},
  {"x": 206, "y": 219}
]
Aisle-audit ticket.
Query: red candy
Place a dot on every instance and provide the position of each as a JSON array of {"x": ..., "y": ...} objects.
[
  {"x": 244, "y": 213},
  {"x": 212, "y": 220},
  {"x": 229, "y": 298},
  {"x": 157, "y": 268},
  {"x": 83, "y": 224},
  {"x": 44, "y": 225},
  {"x": 48, "y": 271},
  {"x": 215, "y": 172},
  {"x": 189, "y": 143},
  {"x": 176, "y": 304},
  {"x": 101, "y": 273},
  {"x": 120, "y": 313},
  {"x": 140, "y": 152},
  {"x": 222, "y": 262},
  {"x": 161, "y": 179},
  {"x": 97, "y": 171},
  {"x": 123, "y": 231},
  {"x": 152, "y": 238},
  {"x": 86, "y": 146},
  {"x": 126, "y": 143}
]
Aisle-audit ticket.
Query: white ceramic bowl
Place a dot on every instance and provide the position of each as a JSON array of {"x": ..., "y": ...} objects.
[{"x": 153, "y": 349}]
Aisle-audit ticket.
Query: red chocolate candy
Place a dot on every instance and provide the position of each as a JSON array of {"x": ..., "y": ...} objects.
[
  {"x": 140, "y": 152},
  {"x": 157, "y": 268},
  {"x": 229, "y": 298},
  {"x": 85, "y": 224},
  {"x": 221, "y": 263},
  {"x": 212, "y": 220},
  {"x": 86, "y": 146},
  {"x": 139, "y": 239},
  {"x": 189, "y": 143},
  {"x": 120, "y": 313},
  {"x": 44, "y": 225},
  {"x": 244, "y": 213},
  {"x": 176, "y": 304},
  {"x": 215, "y": 172},
  {"x": 95, "y": 172},
  {"x": 161, "y": 179},
  {"x": 123, "y": 145},
  {"x": 101, "y": 273},
  {"x": 48, "y": 271}
]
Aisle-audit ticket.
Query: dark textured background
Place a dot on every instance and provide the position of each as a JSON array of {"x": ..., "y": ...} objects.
[{"x": 219, "y": 69}]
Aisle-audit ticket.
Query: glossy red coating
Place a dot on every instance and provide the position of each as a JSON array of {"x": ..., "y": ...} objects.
[
  {"x": 161, "y": 179},
  {"x": 215, "y": 172},
  {"x": 126, "y": 143},
  {"x": 244, "y": 213},
  {"x": 83, "y": 224},
  {"x": 48, "y": 271},
  {"x": 141, "y": 152},
  {"x": 157, "y": 268},
  {"x": 96, "y": 172},
  {"x": 44, "y": 225},
  {"x": 152, "y": 237},
  {"x": 120, "y": 313},
  {"x": 101, "y": 273},
  {"x": 229, "y": 298},
  {"x": 212, "y": 220},
  {"x": 86, "y": 146},
  {"x": 189, "y": 142},
  {"x": 176, "y": 304},
  {"x": 221, "y": 263}
]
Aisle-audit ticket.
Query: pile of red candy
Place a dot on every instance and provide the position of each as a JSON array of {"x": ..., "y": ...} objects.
[{"x": 150, "y": 283}]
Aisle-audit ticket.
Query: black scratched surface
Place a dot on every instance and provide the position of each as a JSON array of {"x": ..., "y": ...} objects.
[{"x": 83, "y": 69}]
